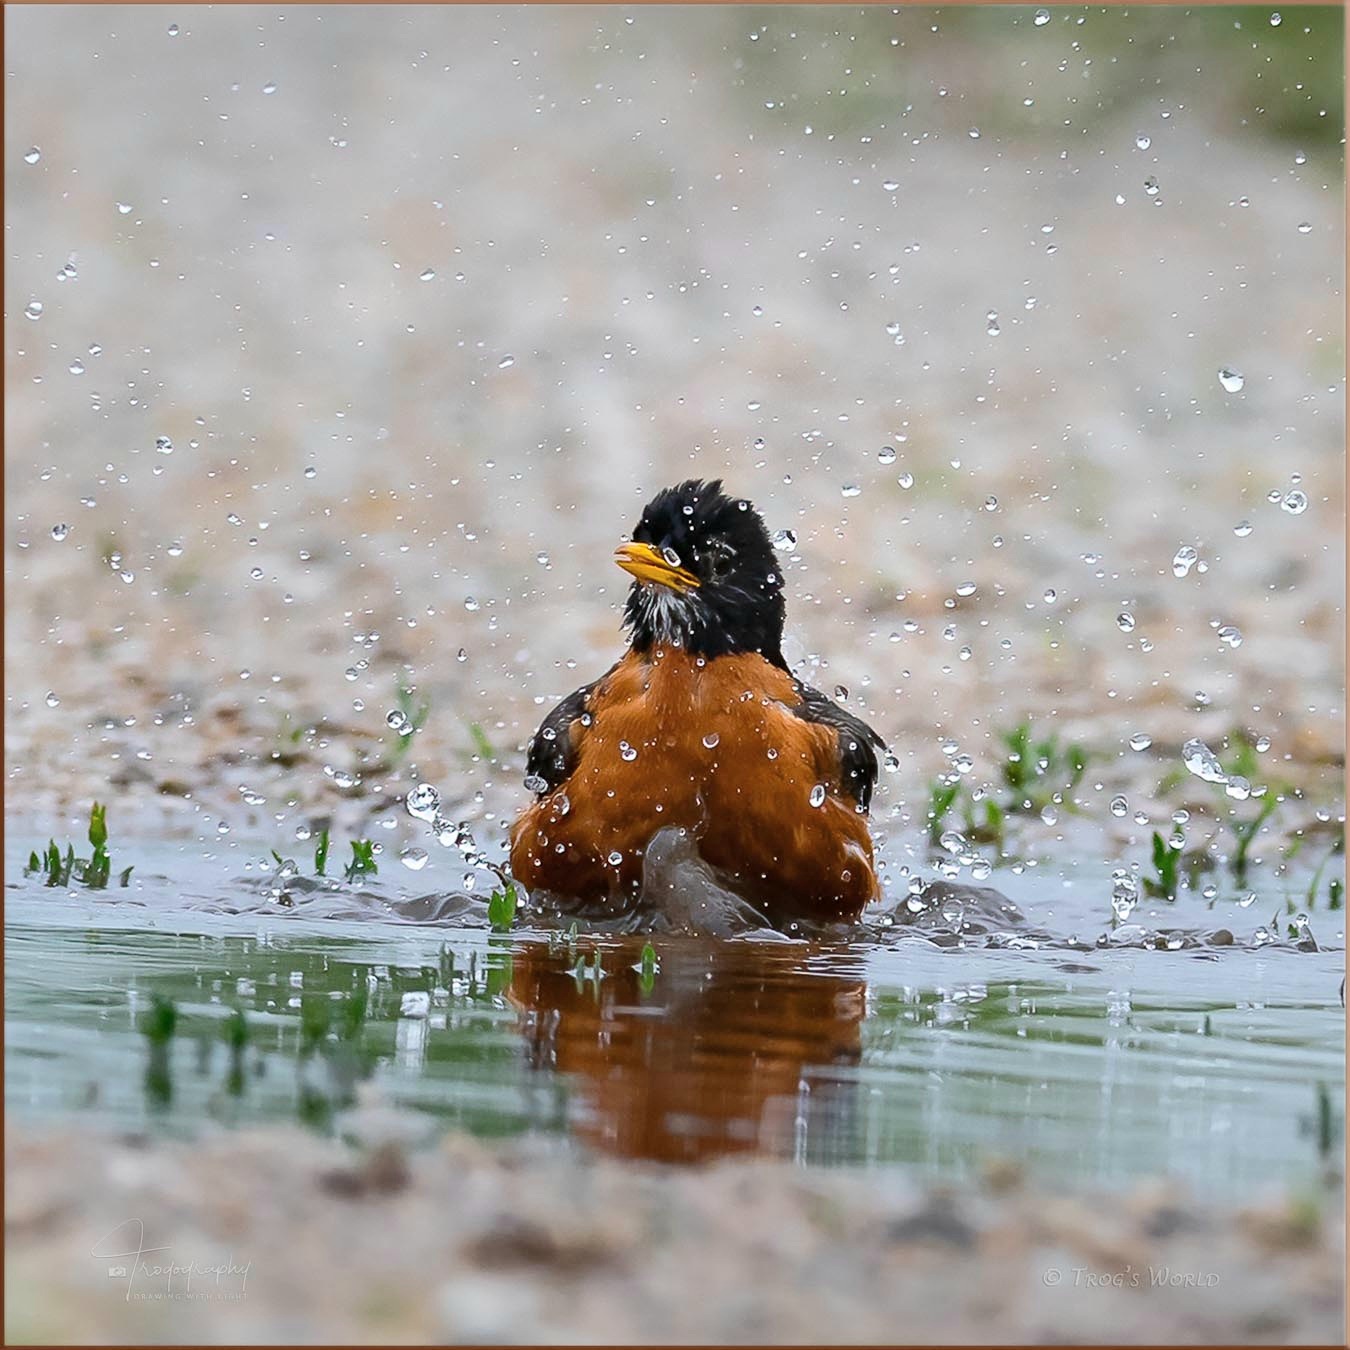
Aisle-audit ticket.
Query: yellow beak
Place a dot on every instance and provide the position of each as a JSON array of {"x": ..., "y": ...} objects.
[{"x": 646, "y": 564}]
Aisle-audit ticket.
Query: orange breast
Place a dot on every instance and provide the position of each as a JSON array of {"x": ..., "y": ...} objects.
[{"x": 712, "y": 747}]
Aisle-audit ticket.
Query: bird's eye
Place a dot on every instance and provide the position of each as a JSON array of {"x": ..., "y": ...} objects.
[
  {"x": 670, "y": 556},
  {"x": 720, "y": 558}
]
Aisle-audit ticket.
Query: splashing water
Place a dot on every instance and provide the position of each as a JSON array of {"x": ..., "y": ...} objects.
[
  {"x": 1200, "y": 760},
  {"x": 1183, "y": 560}
]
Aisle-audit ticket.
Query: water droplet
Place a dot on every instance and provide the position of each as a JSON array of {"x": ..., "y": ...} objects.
[
  {"x": 423, "y": 801},
  {"x": 33, "y": 309},
  {"x": 1124, "y": 894},
  {"x": 164, "y": 445},
  {"x": 1151, "y": 186},
  {"x": 59, "y": 532},
  {"x": 1295, "y": 502},
  {"x": 1242, "y": 529},
  {"x": 1142, "y": 140},
  {"x": 1049, "y": 815},
  {"x": 817, "y": 797},
  {"x": 991, "y": 503},
  {"x": 991, "y": 323},
  {"x": 123, "y": 208},
  {"x": 173, "y": 30},
  {"x": 270, "y": 87},
  {"x": 1276, "y": 20},
  {"x": 76, "y": 367},
  {"x": 850, "y": 490},
  {"x": 785, "y": 539},
  {"x": 1140, "y": 742},
  {"x": 906, "y": 479},
  {"x": 1050, "y": 597},
  {"x": 52, "y": 700},
  {"x": 974, "y": 133},
  {"x": 615, "y": 858},
  {"x": 1125, "y": 622},
  {"x": 891, "y": 185},
  {"x": 1230, "y": 635},
  {"x": 32, "y": 155},
  {"x": 534, "y": 783},
  {"x": 671, "y": 557},
  {"x": 953, "y": 841},
  {"x": 1305, "y": 227},
  {"x": 1200, "y": 760},
  {"x": 1119, "y": 806},
  {"x": 1238, "y": 787},
  {"x": 429, "y": 274},
  {"x": 711, "y": 739},
  {"x": 506, "y": 363},
  {"x": 966, "y": 588},
  {"x": 470, "y": 604},
  {"x": 626, "y": 752},
  {"x": 1183, "y": 560},
  {"x": 1232, "y": 380},
  {"x": 414, "y": 859},
  {"x": 1041, "y": 18}
]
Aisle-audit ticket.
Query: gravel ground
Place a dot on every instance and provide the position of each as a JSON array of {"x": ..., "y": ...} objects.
[{"x": 487, "y": 1244}]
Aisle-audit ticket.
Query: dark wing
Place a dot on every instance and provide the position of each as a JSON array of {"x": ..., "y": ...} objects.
[
  {"x": 551, "y": 756},
  {"x": 858, "y": 743}
]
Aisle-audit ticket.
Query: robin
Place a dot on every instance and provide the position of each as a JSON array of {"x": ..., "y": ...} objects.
[{"x": 700, "y": 727}]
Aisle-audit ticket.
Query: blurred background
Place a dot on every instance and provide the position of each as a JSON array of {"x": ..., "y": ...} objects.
[{"x": 343, "y": 344}]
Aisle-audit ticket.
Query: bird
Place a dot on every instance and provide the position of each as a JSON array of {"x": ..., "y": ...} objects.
[{"x": 701, "y": 727}]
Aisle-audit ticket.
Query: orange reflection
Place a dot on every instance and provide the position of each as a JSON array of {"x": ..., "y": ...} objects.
[{"x": 729, "y": 1051}]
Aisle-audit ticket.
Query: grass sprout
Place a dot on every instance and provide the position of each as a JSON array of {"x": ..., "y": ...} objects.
[
  {"x": 1039, "y": 772},
  {"x": 502, "y": 908},
  {"x": 1166, "y": 878},
  {"x": 363, "y": 862},
  {"x": 59, "y": 869}
]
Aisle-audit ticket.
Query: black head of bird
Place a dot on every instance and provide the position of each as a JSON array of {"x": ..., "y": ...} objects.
[{"x": 705, "y": 576}]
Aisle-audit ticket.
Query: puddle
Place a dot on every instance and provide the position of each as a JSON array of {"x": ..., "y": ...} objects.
[{"x": 983, "y": 1025}]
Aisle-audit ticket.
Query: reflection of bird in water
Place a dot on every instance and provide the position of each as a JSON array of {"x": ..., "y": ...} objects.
[
  {"x": 701, "y": 727},
  {"x": 729, "y": 1052}
]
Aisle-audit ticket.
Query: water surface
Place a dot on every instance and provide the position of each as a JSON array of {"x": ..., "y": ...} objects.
[{"x": 941, "y": 1043}]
